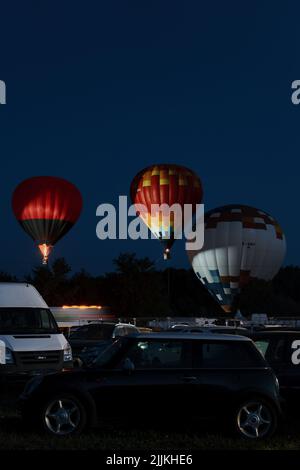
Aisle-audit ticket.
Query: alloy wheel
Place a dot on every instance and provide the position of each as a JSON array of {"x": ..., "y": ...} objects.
[
  {"x": 254, "y": 420},
  {"x": 62, "y": 416}
]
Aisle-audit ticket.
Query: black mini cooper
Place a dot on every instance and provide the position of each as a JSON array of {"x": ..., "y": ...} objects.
[{"x": 219, "y": 377}]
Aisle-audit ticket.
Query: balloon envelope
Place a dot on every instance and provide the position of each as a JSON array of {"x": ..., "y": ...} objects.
[
  {"x": 165, "y": 184},
  {"x": 46, "y": 207},
  {"x": 240, "y": 243}
]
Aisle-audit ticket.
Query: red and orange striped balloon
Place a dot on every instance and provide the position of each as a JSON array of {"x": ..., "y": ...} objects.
[
  {"x": 165, "y": 184},
  {"x": 46, "y": 207}
]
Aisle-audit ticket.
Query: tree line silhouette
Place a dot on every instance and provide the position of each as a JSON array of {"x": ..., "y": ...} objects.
[{"x": 137, "y": 289}]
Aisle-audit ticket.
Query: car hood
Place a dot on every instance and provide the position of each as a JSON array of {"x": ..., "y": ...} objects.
[{"x": 43, "y": 342}]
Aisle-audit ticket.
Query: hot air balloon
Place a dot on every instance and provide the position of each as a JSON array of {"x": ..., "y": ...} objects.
[
  {"x": 47, "y": 207},
  {"x": 241, "y": 243},
  {"x": 165, "y": 184}
]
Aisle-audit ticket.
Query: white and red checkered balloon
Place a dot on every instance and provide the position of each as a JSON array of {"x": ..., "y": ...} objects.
[{"x": 240, "y": 243}]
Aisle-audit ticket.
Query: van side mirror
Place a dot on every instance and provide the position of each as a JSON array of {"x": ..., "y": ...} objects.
[{"x": 128, "y": 365}]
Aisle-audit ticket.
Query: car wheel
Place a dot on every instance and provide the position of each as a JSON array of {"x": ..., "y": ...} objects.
[
  {"x": 255, "y": 419},
  {"x": 63, "y": 415}
]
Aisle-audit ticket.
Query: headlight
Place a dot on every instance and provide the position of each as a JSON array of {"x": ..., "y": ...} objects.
[
  {"x": 68, "y": 353},
  {"x": 9, "y": 357}
]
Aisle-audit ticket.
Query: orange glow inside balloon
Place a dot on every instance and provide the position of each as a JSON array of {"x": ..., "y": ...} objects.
[{"x": 45, "y": 251}]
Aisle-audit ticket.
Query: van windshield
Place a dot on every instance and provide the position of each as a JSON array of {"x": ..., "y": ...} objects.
[{"x": 27, "y": 320}]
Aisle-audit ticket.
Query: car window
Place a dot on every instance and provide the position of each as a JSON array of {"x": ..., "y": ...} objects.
[
  {"x": 80, "y": 333},
  {"x": 101, "y": 332},
  {"x": 107, "y": 354},
  {"x": 123, "y": 331},
  {"x": 159, "y": 354},
  {"x": 46, "y": 321},
  {"x": 26, "y": 320},
  {"x": 118, "y": 331},
  {"x": 272, "y": 349},
  {"x": 93, "y": 332},
  {"x": 263, "y": 345},
  {"x": 229, "y": 354}
]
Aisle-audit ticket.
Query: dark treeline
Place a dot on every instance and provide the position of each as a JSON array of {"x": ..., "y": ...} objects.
[{"x": 136, "y": 288}]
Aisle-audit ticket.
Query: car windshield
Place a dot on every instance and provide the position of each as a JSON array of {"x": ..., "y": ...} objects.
[
  {"x": 93, "y": 332},
  {"x": 27, "y": 320},
  {"x": 107, "y": 355}
]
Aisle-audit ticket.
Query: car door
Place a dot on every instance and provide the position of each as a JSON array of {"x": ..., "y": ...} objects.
[
  {"x": 289, "y": 375},
  {"x": 151, "y": 379},
  {"x": 220, "y": 368}
]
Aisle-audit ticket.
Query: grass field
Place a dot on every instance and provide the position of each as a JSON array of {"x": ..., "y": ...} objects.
[{"x": 13, "y": 435}]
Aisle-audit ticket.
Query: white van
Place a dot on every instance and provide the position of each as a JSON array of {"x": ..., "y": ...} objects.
[{"x": 33, "y": 342}]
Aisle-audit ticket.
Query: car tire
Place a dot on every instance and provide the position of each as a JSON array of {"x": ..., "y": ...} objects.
[
  {"x": 63, "y": 415},
  {"x": 255, "y": 419}
]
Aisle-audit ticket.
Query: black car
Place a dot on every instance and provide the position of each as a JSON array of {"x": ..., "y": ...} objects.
[
  {"x": 281, "y": 349},
  {"x": 214, "y": 376},
  {"x": 88, "y": 341}
]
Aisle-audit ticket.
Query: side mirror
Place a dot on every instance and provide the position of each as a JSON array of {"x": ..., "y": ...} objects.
[{"x": 128, "y": 365}]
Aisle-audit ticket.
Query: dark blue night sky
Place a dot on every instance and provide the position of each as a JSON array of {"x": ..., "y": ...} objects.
[{"x": 98, "y": 90}]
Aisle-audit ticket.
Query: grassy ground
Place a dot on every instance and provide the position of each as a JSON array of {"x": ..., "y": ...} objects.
[{"x": 13, "y": 435}]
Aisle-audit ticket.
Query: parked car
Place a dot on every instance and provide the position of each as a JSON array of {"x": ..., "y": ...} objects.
[
  {"x": 281, "y": 349},
  {"x": 89, "y": 340},
  {"x": 217, "y": 377},
  {"x": 33, "y": 343}
]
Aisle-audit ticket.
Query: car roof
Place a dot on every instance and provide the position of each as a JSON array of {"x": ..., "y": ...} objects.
[
  {"x": 276, "y": 333},
  {"x": 193, "y": 336},
  {"x": 221, "y": 327},
  {"x": 106, "y": 323},
  {"x": 20, "y": 295},
  {"x": 208, "y": 328},
  {"x": 100, "y": 323}
]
